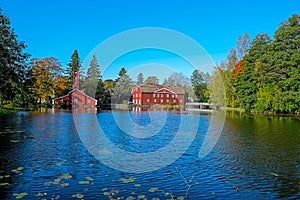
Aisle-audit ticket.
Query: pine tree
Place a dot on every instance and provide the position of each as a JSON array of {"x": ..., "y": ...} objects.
[
  {"x": 140, "y": 79},
  {"x": 93, "y": 83}
]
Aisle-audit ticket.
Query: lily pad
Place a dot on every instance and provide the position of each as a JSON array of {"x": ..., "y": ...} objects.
[
  {"x": 84, "y": 182},
  {"x": 106, "y": 193},
  {"x": 130, "y": 198},
  {"x": 89, "y": 178},
  {"x": 7, "y": 176},
  {"x": 104, "y": 189},
  {"x": 64, "y": 184},
  {"x": 141, "y": 196},
  {"x": 1, "y": 177},
  {"x": 137, "y": 185},
  {"x": 65, "y": 176},
  {"x": 56, "y": 181},
  {"x": 180, "y": 198},
  {"x": 39, "y": 194},
  {"x": 153, "y": 189},
  {"x": 127, "y": 180},
  {"x": 20, "y": 168},
  {"x": 4, "y": 184},
  {"x": 79, "y": 196},
  {"x": 21, "y": 195}
]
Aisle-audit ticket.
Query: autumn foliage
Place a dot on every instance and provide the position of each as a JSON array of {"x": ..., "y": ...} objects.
[{"x": 239, "y": 67}]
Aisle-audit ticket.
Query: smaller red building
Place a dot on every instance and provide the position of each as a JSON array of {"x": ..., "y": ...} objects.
[
  {"x": 76, "y": 97},
  {"x": 157, "y": 94}
]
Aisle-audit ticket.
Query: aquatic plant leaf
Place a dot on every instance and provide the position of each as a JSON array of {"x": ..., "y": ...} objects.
[
  {"x": 137, "y": 185},
  {"x": 4, "y": 184},
  {"x": 141, "y": 196},
  {"x": 127, "y": 180},
  {"x": 65, "y": 176},
  {"x": 39, "y": 194},
  {"x": 89, "y": 178},
  {"x": 79, "y": 196},
  {"x": 153, "y": 189},
  {"x": 130, "y": 198},
  {"x": 84, "y": 182},
  {"x": 20, "y": 168},
  {"x": 106, "y": 193},
  {"x": 64, "y": 184},
  {"x": 21, "y": 195}
]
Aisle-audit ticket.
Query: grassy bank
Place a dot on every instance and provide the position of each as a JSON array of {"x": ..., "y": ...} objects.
[{"x": 8, "y": 111}]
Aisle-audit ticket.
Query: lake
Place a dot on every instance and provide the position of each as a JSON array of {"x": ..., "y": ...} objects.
[{"x": 54, "y": 155}]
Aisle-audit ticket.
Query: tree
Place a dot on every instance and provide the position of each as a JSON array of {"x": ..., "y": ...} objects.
[
  {"x": 232, "y": 60},
  {"x": 216, "y": 87},
  {"x": 13, "y": 65},
  {"x": 242, "y": 46},
  {"x": 93, "y": 76},
  {"x": 153, "y": 80},
  {"x": 179, "y": 80},
  {"x": 122, "y": 88},
  {"x": 199, "y": 83},
  {"x": 140, "y": 79},
  {"x": 47, "y": 78}
]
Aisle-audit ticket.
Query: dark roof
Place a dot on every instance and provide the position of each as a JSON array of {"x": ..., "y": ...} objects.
[{"x": 76, "y": 89}]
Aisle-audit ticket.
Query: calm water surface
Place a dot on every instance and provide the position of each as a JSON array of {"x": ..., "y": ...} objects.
[{"x": 42, "y": 157}]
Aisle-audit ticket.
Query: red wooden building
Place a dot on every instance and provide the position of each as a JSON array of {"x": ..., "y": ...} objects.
[
  {"x": 157, "y": 94},
  {"x": 76, "y": 97}
]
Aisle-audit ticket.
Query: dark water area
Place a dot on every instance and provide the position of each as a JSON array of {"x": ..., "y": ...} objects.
[{"x": 42, "y": 156}]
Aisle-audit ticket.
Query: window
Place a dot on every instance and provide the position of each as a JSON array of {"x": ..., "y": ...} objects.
[
  {"x": 136, "y": 95},
  {"x": 161, "y": 101},
  {"x": 167, "y": 100},
  {"x": 162, "y": 95},
  {"x": 148, "y": 100},
  {"x": 153, "y": 95},
  {"x": 180, "y": 100},
  {"x": 174, "y": 101},
  {"x": 167, "y": 95},
  {"x": 176, "y": 95},
  {"x": 172, "y": 95},
  {"x": 154, "y": 100}
]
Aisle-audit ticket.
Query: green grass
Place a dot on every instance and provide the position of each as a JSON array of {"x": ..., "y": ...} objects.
[{"x": 8, "y": 111}]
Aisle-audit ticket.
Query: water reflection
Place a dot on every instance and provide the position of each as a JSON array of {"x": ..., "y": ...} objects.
[{"x": 255, "y": 157}]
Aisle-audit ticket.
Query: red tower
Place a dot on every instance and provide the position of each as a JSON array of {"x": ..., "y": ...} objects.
[{"x": 75, "y": 79}]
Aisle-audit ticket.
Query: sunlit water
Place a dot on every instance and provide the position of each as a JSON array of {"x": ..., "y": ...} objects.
[{"x": 42, "y": 157}]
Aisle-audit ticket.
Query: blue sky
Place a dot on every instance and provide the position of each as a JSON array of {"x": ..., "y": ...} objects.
[{"x": 56, "y": 28}]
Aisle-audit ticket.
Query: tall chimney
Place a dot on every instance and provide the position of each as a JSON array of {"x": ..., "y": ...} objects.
[{"x": 75, "y": 79}]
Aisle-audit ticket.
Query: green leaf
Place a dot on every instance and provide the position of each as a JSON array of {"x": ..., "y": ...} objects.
[
  {"x": 89, "y": 178},
  {"x": 153, "y": 189},
  {"x": 84, "y": 182},
  {"x": 21, "y": 195},
  {"x": 79, "y": 196}
]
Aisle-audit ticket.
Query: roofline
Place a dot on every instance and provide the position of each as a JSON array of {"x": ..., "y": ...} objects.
[
  {"x": 74, "y": 91},
  {"x": 166, "y": 89}
]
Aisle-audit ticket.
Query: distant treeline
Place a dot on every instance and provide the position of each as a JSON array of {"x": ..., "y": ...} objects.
[{"x": 262, "y": 74}]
